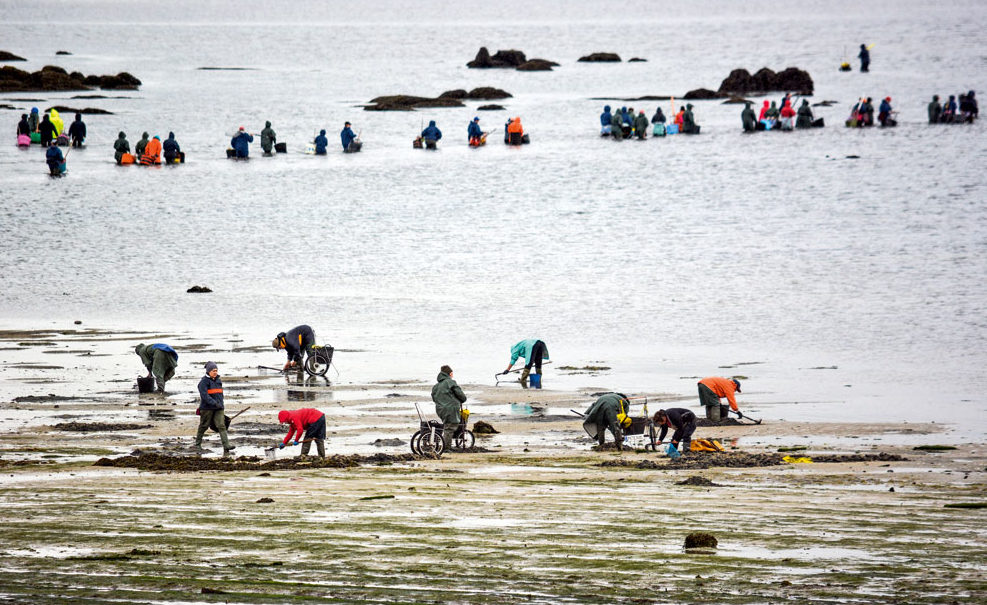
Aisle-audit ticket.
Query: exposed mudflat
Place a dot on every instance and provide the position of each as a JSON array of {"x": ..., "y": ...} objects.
[{"x": 103, "y": 497}]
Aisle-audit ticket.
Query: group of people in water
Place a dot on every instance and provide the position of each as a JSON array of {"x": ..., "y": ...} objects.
[
  {"x": 623, "y": 124},
  {"x": 148, "y": 151},
  {"x": 951, "y": 113},
  {"x": 862, "y": 113},
  {"x": 475, "y": 136},
  {"x": 772, "y": 117},
  {"x": 49, "y": 131}
]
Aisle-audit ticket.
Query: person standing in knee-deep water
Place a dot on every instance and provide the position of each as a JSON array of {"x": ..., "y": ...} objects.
[
  {"x": 308, "y": 422},
  {"x": 346, "y": 135},
  {"x": 171, "y": 149},
  {"x": 864, "y": 57},
  {"x": 211, "y": 413},
  {"x": 47, "y": 131},
  {"x": 449, "y": 399},
  {"x": 120, "y": 146},
  {"x": 321, "y": 142},
  {"x": 142, "y": 144},
  {"x": 160, "y": 361},
  {"x": 268, "y": 138},
  {"x": 711, "y": 389},
  {"x": 533, "y": 351},
  {"x": 77, "y": 131},
  {"x": 241, "y": 143},
  {"x": 680, "y": 419}
]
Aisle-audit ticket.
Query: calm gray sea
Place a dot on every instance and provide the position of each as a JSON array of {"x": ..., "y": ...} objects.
[{"x": 665, "y": 259}]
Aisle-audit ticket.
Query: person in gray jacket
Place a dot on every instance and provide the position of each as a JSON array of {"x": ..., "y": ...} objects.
[{"x": 449, "y": 399}]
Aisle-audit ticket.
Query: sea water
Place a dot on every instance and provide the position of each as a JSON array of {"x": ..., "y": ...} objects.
[{"x": 667, "y": 260}]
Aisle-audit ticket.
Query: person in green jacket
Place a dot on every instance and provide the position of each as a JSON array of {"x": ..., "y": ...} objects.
[
  {"x": 935, "y": 110},
  {"x": 641, "y": 124},
  {"x": 121, "y": 146},
  {"x": 268, "y": 138},
  {"x": 609, "y": 411},
  {"x": 689, "y": 121},
  {"x": 141, "y": 144},
  {"x": 772, "y": 113},
  {"x": 533, "y": 351},
  {"x": 449, "y": 399},
  {"x": 748, "y": 118},
  {"x": 804, "y": 119},
  {"x": 160, "y": 361}
]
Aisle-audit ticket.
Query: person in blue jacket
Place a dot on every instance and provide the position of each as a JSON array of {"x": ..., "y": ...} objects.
[
  {"x": 171, "y": 149},
  {"x": 884, "y": 112},
  {"x": 605, "y": 119},
  {"x": 211, "y": 408},
  {"x": 55, "y": 160},
  {"x": 474, "y": 132},
  {"x": 240, "y": 143},
  {"x": 321, "y": 142},
  {"x": 160, "y": 360},
  {"x": 864, "y": 57},
  {"x": 431, "y": 134},
  {"x": 346, "y": 136}
]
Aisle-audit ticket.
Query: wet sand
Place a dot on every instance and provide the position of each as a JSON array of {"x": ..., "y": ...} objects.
[{"x": 537, "y": 517}]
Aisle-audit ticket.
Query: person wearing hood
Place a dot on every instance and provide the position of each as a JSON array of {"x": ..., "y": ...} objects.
[
  {"x": 534, "y": 352},
  {"x": 968, "y": 106},
  {"x": 241, "y": 143},
  {"x": 268, "y": 138},
  {"x": 296, "y": 342},
  {"x": 152, "y": 152},
  {"x": 431, "y": 135},
  {"x": 211, "y": 412},
  {"x": 46, "y": 130},
  {"x": 305, "y": 425},
  {"x": 805, "y": 117},
  {"x": 616, "y": 126},
  {"x": 57, "y": 122},
  {"x": 55, "y": 160},
  {"x": 515, "y": 132},
  {"x": 864, "y": 57},
  {"x": 689, "y": 121},
  {"x": 77, "y": 130},
  {"x": 347, "y": 136},
  {"x": 786, "y": 114},
  {"x": 747, "y": 118},
  {"x": 160, "y": 360},
  {"x": 449, "y": 400},
  {"x": 680, "y": 117},
  {"x": 935, "y": 110},
  {"x": 625, "y": 118},
  {"x": 627, "y": 121},
  {"x": 764, "y": 112},
  {"x": 474, "y": 133},
  {"x": 141, "y": 144},
  {"x": 23, "y": 127},
  {"x": 711, "y": 389},
  {"x": 867, "y": 108},
  {"x": 641, "y": 125},
  {"x": 171, "y": 149},
  {"x": 884, "y": 112},
  {"x": 321, "y": 142},
  {"x": 949, "y": 110},
  {"x": 772, "y": 113},
  {"x": 609, "y": 411},
  {"x": 658, "y": 118},
  {"x": 121, "y": 146},
  {"x": 605, "y": 120},
  {"x": 34, "y": 120}
]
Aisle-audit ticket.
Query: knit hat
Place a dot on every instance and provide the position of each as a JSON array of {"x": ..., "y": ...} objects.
[{"x": 210, "y": 366}]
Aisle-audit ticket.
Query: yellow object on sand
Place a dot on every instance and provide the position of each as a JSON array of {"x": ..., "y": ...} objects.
[
  {"x": 705, "y": 445},
  {"x": 800, "y": 460}
]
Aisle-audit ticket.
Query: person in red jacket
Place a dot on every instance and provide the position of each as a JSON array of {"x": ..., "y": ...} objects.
[
  {"x": 305, "y": 425},
  {"x": 711, "y": 390}
]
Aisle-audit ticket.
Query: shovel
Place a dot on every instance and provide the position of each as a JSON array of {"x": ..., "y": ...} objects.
[
  {"x": 754, "y": 420},
  {"x": 272, "y": 452}
]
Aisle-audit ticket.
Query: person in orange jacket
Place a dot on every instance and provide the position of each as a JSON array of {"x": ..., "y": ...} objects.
[
  {"x": 680, "y": 117},
  {"x": 514, "y": 131},
  {"x": 711, "y": 389},
  {"x": 152, "y": 152}
]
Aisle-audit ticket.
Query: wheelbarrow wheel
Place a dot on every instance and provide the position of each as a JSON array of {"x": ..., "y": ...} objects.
[
  {"x": 316, "y": 365},
  {"x": 465, "y": 441},
  {"x": 415, "y": 448},
  {"x": 430, "y": 444}
]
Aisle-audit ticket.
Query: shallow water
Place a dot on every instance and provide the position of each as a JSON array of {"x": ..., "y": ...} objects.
[{"x": 665, "y": 259}]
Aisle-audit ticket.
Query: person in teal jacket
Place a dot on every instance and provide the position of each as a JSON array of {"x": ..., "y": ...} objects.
[
  {"x": 533, "y": 351},
  {"x": 160, "y": 361}
]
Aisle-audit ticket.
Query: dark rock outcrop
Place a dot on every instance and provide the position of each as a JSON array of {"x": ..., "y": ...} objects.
[
  {"x": 741, "y": 82},
  {"x": 450, "y": 98},
  {"x": 459, "y": 93},
  {"x": 503, "y": 58},
  {"x": 54, "y": 78},
  {"x": 537, "y": 65},
  {"x": 701, "y": 94},
  {"x": 490, "y": 108},
  {"x": 637, "y": 60},
  {"x": 600, "y": 58},
  {"x": 735, "y": 101},
  {"x": 199, "y": 290},
  {"x": 6, "y": 56},
  {"x": 63, "y": 52},
  {"x": 92, "y": 111},
  {"x": 485, "y": 93}
]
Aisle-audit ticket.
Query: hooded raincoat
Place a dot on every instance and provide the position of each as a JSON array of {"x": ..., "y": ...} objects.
[
  {"x": 321, "y": 142},
  {"x": 346, "y": 136},
  {"x": 241, "y": 143},
  {"x": 432, "y": 132},
  {"x": 57, "y": 121},
  {"x": 804, "y": 119},
  {"x": 77, "y": 130},
  {"x": 141, "y": 144},
  {"x": 160, "y": 360},
  {"x": 748, "y": 118},
  {"x": 268, "y": 138},
  {"x": 121, "y": 146},
  {"x": 448, "y": 398}
]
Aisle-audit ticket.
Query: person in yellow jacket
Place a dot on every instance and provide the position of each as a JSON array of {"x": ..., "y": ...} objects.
[
  {"x": 57, "y": 121},
  {"x": 711, "y": 389}
]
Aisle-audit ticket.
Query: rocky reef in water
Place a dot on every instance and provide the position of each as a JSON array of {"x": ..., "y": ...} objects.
[
  {"x": 450, "y": 98},
  {"x": 53, "y": 78},
  {"x": 600, "y": 58},
  {"x": 740, "y": 82},
  {"x": 509, "y": 59}
]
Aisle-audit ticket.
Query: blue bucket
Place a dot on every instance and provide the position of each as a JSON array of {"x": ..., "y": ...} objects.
[{"x": 535, "y": 380}]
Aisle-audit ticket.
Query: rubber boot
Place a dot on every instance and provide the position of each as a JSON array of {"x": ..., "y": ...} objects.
[{"x": 524, "y": 377}]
